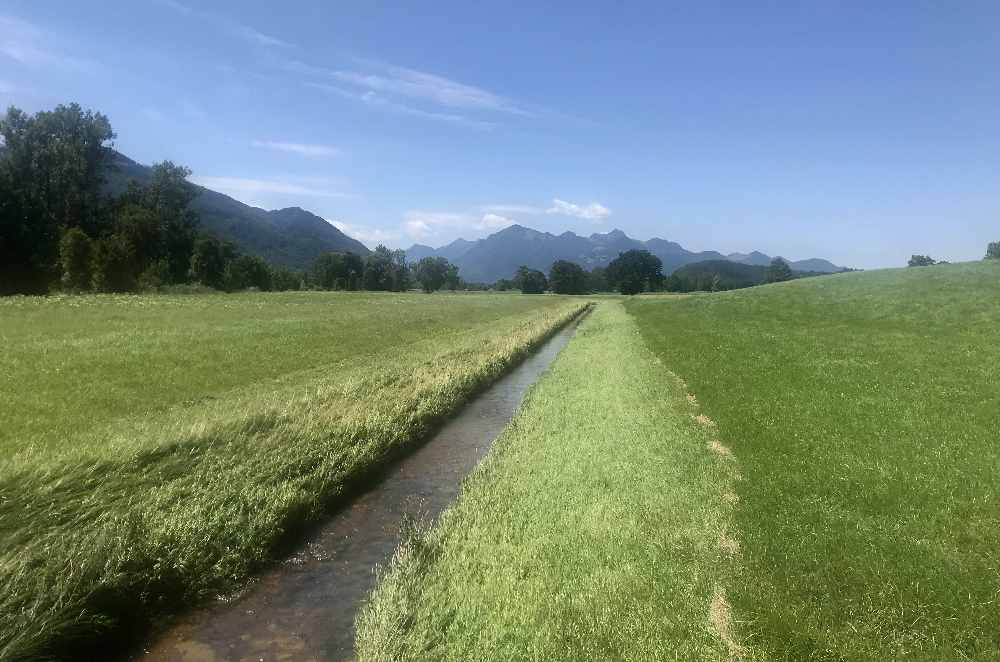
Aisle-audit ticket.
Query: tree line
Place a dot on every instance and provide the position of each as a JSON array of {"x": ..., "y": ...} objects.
[
  {"x": 61, "y": 230},
  {"x": 992, "y": 253}
]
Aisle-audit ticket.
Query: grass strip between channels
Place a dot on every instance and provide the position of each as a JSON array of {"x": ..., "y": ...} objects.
[
  {"x": 594, "y": 529},
  {"x": 100, "y": 540}
]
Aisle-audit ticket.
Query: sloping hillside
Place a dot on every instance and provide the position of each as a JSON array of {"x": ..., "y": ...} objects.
[
  {"x": 291, "y": 237},
  {"x": 724, "y": 275},
  {"x": 862, "y": 412}
]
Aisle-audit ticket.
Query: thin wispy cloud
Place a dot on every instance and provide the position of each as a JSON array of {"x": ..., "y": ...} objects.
[
  {"x": 410, "y": 92},
  {"x": 367, "y": 235},
  {"x": 242, "y": 188},
  {"x": 594, "y": 211},
  {"x": 234, "y": 27},
  {"x": 400, "y": 81},
  {"x": 32, "y": 46},
  {"x": 302, "y": 149},
  {"x": 377, "y": 101}
]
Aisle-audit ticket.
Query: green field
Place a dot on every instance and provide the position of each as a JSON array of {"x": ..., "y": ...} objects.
[
  {"x": 591, "y": 532},
  {"x": 157, "y": 448},
  {"x": 799, "y": 471},
  {"x": 865, "y": 411},
  {"x": 856, "y": 517}
]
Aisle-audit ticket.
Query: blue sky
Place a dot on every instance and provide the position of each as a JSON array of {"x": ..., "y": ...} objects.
[{"x": 857, "y": 131}]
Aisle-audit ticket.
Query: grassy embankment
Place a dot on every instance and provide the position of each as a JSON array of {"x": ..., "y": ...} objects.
[
  {"x": 595, "y": 529},
  {"x": 865, "y": 412},
  {"x": 155, "y": 449}
]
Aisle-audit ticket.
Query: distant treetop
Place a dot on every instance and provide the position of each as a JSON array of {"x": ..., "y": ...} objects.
[{"x": 921, "y": 261}]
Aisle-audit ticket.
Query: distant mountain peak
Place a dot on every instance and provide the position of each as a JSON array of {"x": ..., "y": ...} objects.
[{"x": 500, "y": 254}]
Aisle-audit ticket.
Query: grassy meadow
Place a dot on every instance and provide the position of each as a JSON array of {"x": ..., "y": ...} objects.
[
  {"x": 591, "y": 531},
  {"x": 864, "y": 410},
  {"x": 156, "y": 449}
]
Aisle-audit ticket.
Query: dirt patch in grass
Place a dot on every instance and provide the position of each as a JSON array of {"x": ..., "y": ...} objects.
[
  {"x": 729, "y": 546},
  {"x": 704, "y": 421},
  {"x": 720, "y": 617},
  {"x": 720, "y": 449}
]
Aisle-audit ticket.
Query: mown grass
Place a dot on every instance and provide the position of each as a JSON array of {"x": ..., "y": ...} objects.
[
  {"x": 157, "y": 448},
  {"x": 865, "y": 412},
  {"x": 590, "y": 532}
]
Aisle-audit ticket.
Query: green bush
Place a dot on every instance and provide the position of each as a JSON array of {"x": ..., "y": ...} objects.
[
  {"x": 114, "y": 265},
  {"x": 75, "y": 257},
  {"x": 248, "y": 271}
]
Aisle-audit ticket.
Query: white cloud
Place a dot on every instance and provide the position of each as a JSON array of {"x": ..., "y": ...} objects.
[
  {"x": 374, "y": 100},
  {"x": 302, "y": 149},
  {"x": 494, "y": 221},
  {"x": 400, "y": 81},
  {"x": 424, "y": 225},
  {"x": 242, "y": 188},
  {"x": 234, "y": 27},
  {"x": 32, "y": 47},
  {"x": 595, "y": 211},
  {"x": 367, "y": 235}
]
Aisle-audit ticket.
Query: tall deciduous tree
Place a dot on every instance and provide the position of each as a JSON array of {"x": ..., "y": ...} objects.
[
  {"x": 400, "y": 271},
  {"x": 337, "y": 271},
  {"x": 779, "y": 271},
  {"x": 993, "y": 250},
  {"x": 567, "y": 277},
  {"x": 530, "y": 281},
  {"x": 208, "y": 261},
  {"x": 169, "y": 195},
  {"x": 386, "y": 270},
  {"x": 51, "y": 171},
  {"x": 635, "y": 271},
  {"x": 432, "y": 273}
]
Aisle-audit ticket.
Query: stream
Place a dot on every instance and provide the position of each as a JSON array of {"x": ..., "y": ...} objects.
[{"x": 303, "y": 609}]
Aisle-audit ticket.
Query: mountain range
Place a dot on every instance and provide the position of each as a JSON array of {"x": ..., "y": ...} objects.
[
  {"x": 294, "y": 238},
  {"x": 500, "y": 254},
  {"x": 290, "y": 237}
]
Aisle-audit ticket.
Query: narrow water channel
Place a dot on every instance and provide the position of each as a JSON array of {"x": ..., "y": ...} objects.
[{"x": 304, "y": 608}]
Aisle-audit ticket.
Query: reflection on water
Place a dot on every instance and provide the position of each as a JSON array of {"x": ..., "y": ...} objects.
[{"x": 304, "y": 608}]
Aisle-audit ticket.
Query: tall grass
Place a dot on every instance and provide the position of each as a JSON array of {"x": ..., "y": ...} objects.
[
  {"x": 865, "y": 411},
  {"x": 590, "y": 532},
  {"x": 220, "y": 424}
]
